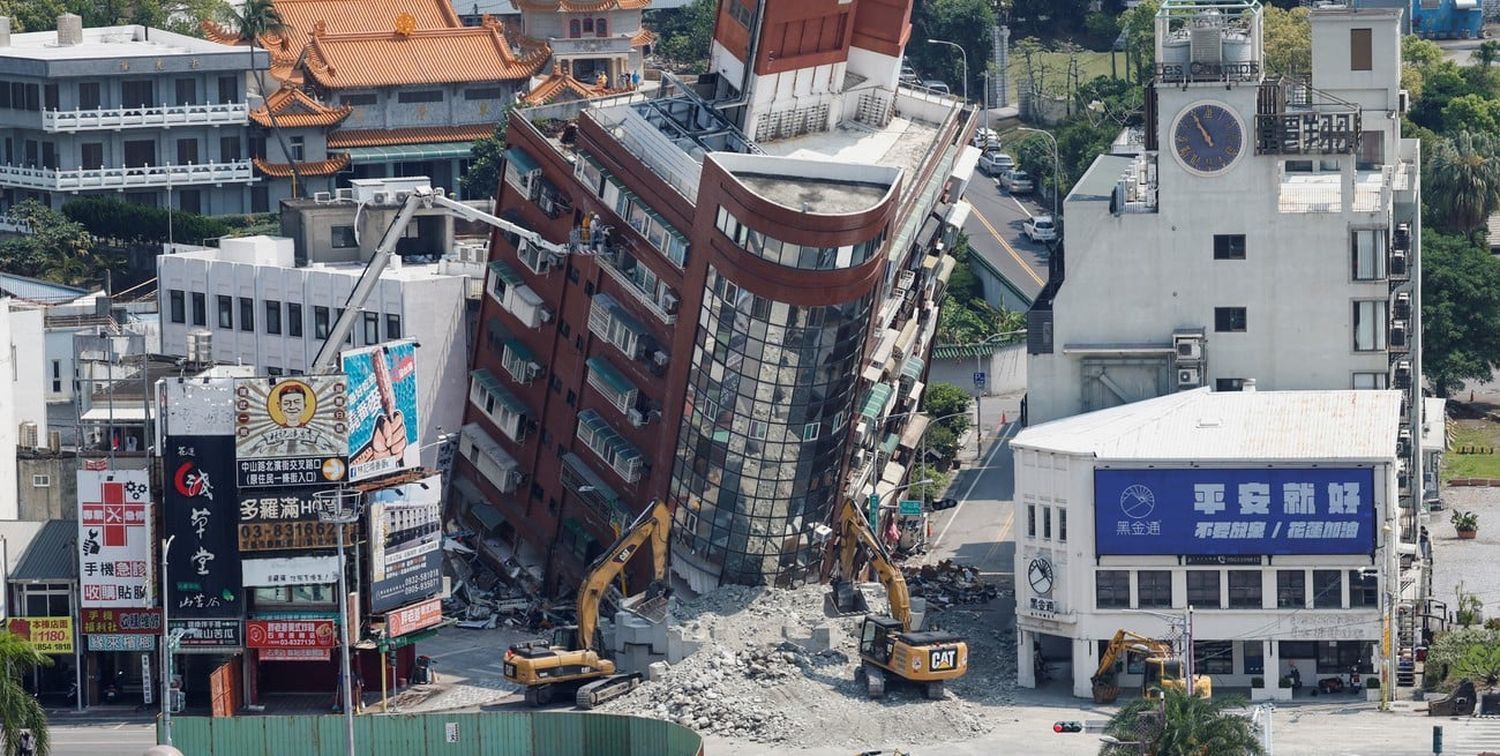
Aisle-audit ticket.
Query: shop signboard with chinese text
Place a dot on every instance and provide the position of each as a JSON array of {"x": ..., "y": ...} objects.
[
  {"x": 114, "y": 538},
  {"x": 409, "y": 619},
  {"x": 290, "y": 634},
  {"x": 291, "y": 431},
  {"x": 294, "y": 654},
  {"x": 1205, "y": 511},
  {"x": 406, "y": 562},
  {"x": 121, "y": 642},
  {"x": 118, "y": 621},
  {"x": 48, "y": 635},
  {"x": 203, "y": 566},
  {"x": 311, "y": 570},
  {"x": 383, "y": 421},
  {"x": 282, "y": 519},
  {"x": 208, "y": 633}
]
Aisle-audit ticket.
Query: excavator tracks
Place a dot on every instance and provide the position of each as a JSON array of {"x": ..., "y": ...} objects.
[{"x": 609, "y": 688}]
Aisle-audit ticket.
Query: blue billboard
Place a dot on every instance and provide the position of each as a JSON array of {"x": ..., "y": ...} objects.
[
  {"x": 383, "y": 420},
  {"x": 1235, "y": 511}
]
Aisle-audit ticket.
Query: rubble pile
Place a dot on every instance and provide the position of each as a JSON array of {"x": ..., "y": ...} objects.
[
  {"x": 761, "y": 675},
  {"x": 948, "y": 584}
]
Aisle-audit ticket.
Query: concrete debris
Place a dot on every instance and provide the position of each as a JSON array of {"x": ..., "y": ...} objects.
[
  {"x": 948, "y": 583},
  {"x": 773, "y": 668}
]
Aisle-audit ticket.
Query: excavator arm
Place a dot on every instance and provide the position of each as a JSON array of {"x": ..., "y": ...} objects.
[
  {"x": 854, "y": 532},
  {"x": 650, "y": 527},
  {"x": 1125, "y": 640}
]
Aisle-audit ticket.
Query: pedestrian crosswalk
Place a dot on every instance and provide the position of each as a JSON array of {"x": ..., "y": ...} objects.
[{"x": 1470, "y": 736}]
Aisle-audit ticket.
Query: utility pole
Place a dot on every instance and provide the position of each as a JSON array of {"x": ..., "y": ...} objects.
[
  {"x": 166, "y": 648},
  {"x": 1187, "y": 657}
]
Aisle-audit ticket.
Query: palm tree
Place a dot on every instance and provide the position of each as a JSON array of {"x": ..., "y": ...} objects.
[
  {"x": 20, "y": 710},
  {"x": 1463, "y": 180},
  {"x": 1487, "y": 52},
  {"x": 1181, "y": 725},
  {"x": 260, "y": 17}
]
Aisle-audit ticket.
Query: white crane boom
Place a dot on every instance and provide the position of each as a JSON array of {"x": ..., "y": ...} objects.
[{"x": 420, "y": 197}]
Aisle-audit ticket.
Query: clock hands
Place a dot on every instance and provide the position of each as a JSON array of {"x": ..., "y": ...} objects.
[{"x": 1201, "y": 130}]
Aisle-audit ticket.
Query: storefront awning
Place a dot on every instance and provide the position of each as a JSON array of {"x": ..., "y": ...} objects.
[
  {"x": 959, "y": 214},
  {"x": 409, "y": 153},
  {"x": 875, "y": 401},
  {"x": 503, "y": 395},
  {"x": 915, "y": 427},
  {"x": 913, "y": 368},
  {"x": 610, "y": 376},
  {"x": 487, "y": 515},
  {"x": 888, "y": 446},
  {"x": 506, "y": 273},
  {"x": 522, "y": 160}
]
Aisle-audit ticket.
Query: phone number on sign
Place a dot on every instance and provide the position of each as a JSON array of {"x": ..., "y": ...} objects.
[{"x": 288, "y": 535}]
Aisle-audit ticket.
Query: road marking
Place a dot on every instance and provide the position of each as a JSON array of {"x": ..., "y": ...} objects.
[
  {"x": 1023, "y": 207},
  {"x": 999, "y": 442},
  {"x": 1003, "y": 243}
]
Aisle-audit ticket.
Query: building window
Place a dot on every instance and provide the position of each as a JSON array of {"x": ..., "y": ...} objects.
[
  {"x": 1031, "y": 520},
  {"x": 810, "y": 431},
  {"x": 57, "y": 376},
  {"x": 226, "y": 311},
  {"x": 484, "y": 93},
  {"x": 1371, "y": 380},
  {"x": 588, "y": 26},
  {"x": 298, "y": 148},
  {"x": 1213, "y": 657},
  {"x": 372, "y": 328},
  {"x": 229, "y": 89},
  {"x": 1254, "y": 654},
  {"x": 1229, "y": 246},
  {"x": 1361, "y": 54},
  {"x": 200, "y": 308},
  {"x": 1291, "y": 589},
  {"x": 229, "y": 149},
  {"x": 392, "y": 326},
  {"x": 1154, "y": 588},
  {"x": 1046, "y": 522},
  {"x": 357, "y": 99},
  {"x": 88, "y": 96},
  {"x": 294, "y": 320},
  {"x": 1328, "y": 589},
  {"x": 1229, "y": 384},
  {"x": 575, "y": 28},
  {"x": 320, "y": 322},
  {"x": 1203, "y": 589},
  {"x": 1370, "y": 325},
  {"x": 1244, "y": 589},
  {"x": 273, "y": 317},
  {"x": 740, "y": 12},
  {"x": 1112, "y": 589},
  {"x": 422, "y": 95},
  {"x": 1342, "y": 657},
  {"x": 1363, "y": 588},
  {"x": 177, "y": 300},
  {"x": 187, "y": 151},
  {"x": 343, "y": 237},
  {"x": 1229, "y": 319},
  {"x": 1367, "y": 247},
  {"x": 92, "y": 154},
  {"x": 187, "y": 92},
  {"x": 247, "y": 314},
  {"x": 41, "y": 481},
  {"x": 601, "y": 28},
  {"x": 1062, "y": 524}
]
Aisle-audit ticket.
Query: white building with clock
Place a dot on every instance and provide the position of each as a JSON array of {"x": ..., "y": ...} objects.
[
  {"x": 1268, "y": 231},
  {"x": 1271, "y": 514}
]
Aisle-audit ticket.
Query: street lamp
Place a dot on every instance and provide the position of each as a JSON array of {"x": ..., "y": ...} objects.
[
  {"x": 166, "y": 648},
  {"x": 340, "y": 508},
  {"x": 965, "y": 60},
  {"x": 1056, "y": 169}
]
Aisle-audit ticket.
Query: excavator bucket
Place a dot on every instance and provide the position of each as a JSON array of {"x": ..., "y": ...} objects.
[
  {"x": 846, "y": 598},
  {"x": 650, "y": 604},
  {"x": 1104, "y": 694}
]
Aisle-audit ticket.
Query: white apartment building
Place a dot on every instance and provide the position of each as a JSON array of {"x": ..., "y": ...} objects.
[
  {"x": 1269, "y": 230},
  {"x": 23, "y": 410},
  {"x": 1271, "y": 514},
  {"x": 259, "y": 308}
]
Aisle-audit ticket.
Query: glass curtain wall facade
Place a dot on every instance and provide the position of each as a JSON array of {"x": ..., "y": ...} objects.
[{"x": 764, "y": 428}]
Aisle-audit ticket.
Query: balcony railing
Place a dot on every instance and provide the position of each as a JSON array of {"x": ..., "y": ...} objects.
[
  {"x": 144, "y": 176},
  {"x": 216, "y": 114},
  {"x": 615, "y": 262}
]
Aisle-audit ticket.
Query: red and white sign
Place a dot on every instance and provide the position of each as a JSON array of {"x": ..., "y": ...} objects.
[
  {"x": 412, "y": 618},
  {"x": 294, "y": 654},
  {"x": 114, "y": 538},
  {"x": 289, "y": 634}
]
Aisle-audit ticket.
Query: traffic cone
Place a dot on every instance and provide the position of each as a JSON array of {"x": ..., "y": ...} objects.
[{"x": 1003, "y": 420}]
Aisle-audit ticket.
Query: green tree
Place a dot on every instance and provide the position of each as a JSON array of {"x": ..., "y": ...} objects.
[
  {"x": 483, "y": 177},
  {"x": 967, "y": 23},
  {"x": 1460, "y": 311},
  {"x": 927, "y": 491},
  {"x": 684, "y": 34},
  {"x": 1461, "y": 653},
  {"x": 1287, "y": 38},
  {"x": 19, "y": 710},
  {"x": 1462, "y": 181},
  {"x": 57, "y": 249},
  {"x": 1471, "y": 112},
  {"x": 949, "y": 402},
  {"x": 255, "y": 18},
  {"x": 942, "y": 441},
  {"x": 1182, "y": 725},
  {"x": 181, "y": 16},
  {"x": 1420, "y": 52},
  {"x": 1139, "y": 24},
  {"x": 1486, "y": 53}
]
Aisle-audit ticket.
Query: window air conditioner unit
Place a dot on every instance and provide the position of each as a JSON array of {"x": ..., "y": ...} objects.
[
  {"x": 1398, "y": 263},
  {"x": 380, "y": 198},
  {"x": 636, "y": 418},
  {"x": 669, "y": 303},
  {"x": 1187, "y": 346},
  {"x": 660, "y": 358},
  {"x": 1402, "y": 377},
  {"x": 1402, "y": 307},
  {"x": 1189, "y": 378},
  {"x": 533, "y": 370},
  {"x": 1403, "y": 442},
  {"x": 1399, "y": 330},
  {"x": 544, "y": 314}
]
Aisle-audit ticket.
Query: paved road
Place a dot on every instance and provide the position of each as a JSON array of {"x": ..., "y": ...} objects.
[
  {"x": 114, "y": 739},
  {"x": 994, "y": 230},
  {"x": 980, "y": 530}
]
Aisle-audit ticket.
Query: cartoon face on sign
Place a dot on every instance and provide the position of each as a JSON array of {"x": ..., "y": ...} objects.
[{"x": 291, "y": 404}]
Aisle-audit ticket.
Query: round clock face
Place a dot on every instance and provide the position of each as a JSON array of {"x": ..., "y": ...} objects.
[
  {"x": 1039, "y": 573},
  {"x": 1208, "y": 138}
]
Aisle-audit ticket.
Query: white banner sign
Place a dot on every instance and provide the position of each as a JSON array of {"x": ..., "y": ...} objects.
[
  {"x": 313, "y": 570},
  {"x": 114, "y": 538}
]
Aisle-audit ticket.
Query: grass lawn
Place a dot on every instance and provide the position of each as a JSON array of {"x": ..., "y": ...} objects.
[
  {"x": 1090, "y": 65},
  {"x": 1480, "y": 433}
]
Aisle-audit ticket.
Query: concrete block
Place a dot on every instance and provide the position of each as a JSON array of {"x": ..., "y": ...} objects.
[
  {"x": 680, "y": 646},
  {"x": 918, "y": 613},
  {"x": 824, "y": 637},
  {"x": 655, "y": 670}
]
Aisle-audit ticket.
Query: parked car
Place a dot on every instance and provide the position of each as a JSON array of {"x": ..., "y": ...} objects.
[
  {"x": 941, "y": 87},
  {"x": 986, "y": 139},
  {"x": 1040, "y": 228},
  {"x": 995, "y": 163},
  {"x": 941, "y": 504},
  {"x": 1016, "y": 181}
]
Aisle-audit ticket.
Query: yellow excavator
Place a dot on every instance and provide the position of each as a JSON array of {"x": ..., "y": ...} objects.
[
  {"x": 888, "y": 644},
  {"x": 1164, "y": 670},
  {"x": 571, "y": 659}
]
